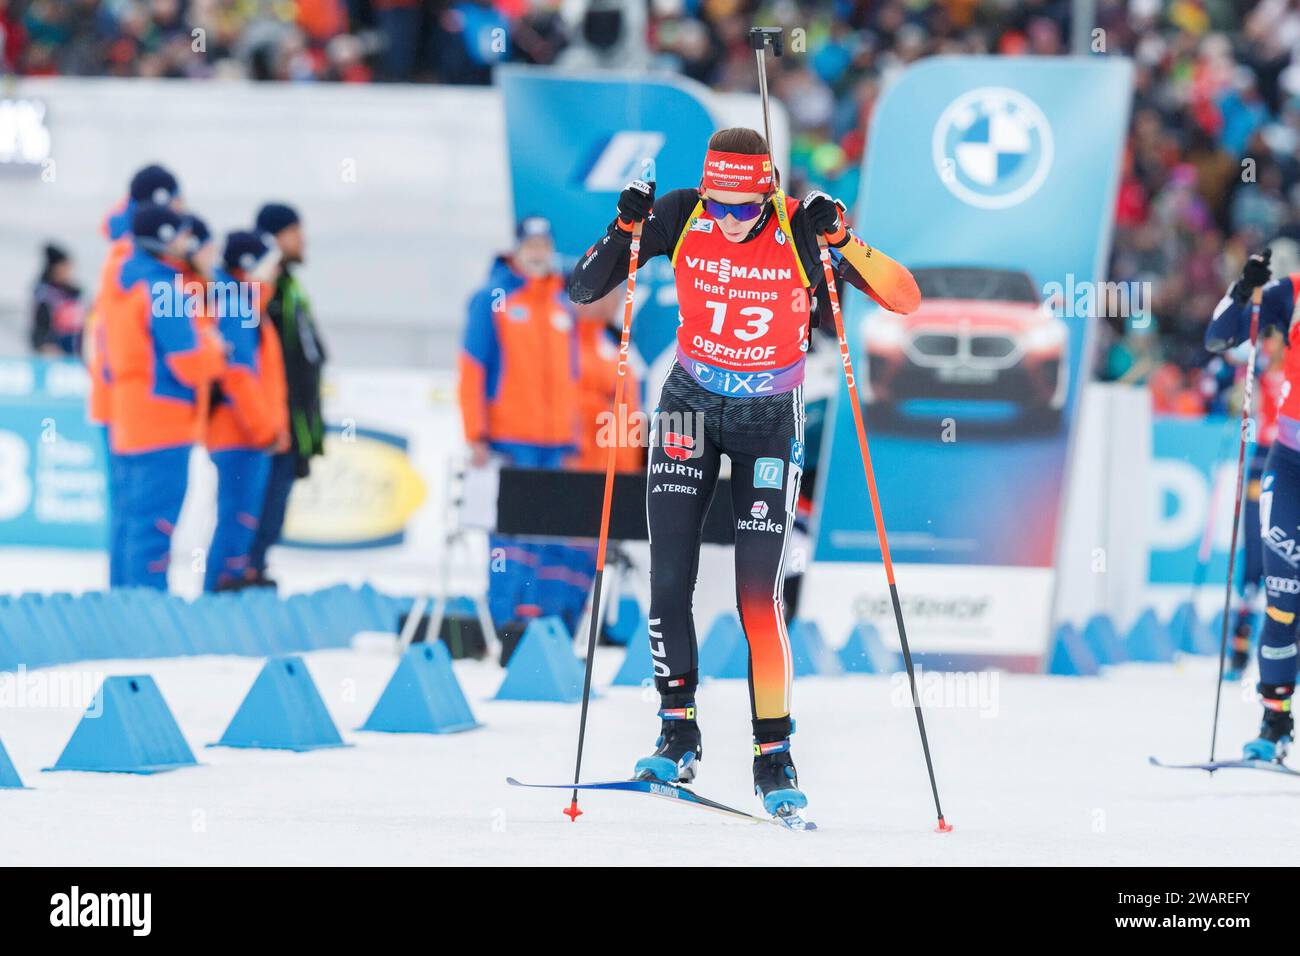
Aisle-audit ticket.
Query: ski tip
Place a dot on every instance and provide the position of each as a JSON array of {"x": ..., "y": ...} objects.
[
  {"x": 943, "y": 827},
  {"x": 572, "y": 812},
  {"x": 513, "y": 782}
]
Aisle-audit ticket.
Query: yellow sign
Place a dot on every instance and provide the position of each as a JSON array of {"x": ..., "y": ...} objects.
[{"x": 361, "y": 493}]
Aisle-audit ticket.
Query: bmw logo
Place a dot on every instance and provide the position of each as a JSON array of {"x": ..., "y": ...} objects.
[{"x": 992, "y": 147}]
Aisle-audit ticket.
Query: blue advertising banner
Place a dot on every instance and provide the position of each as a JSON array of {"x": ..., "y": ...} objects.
[
  {"x": 1193, "y": 469},
  {"x": 576, "y": 140},
  {"x": 994, "y": 180},
  {"x": 52, "y": 461}
]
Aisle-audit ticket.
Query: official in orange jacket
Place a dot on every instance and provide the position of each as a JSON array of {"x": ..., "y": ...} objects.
[
  {"x": 518, "y": 400},
  {"x": 249, "y": 418},
  {"x": 598, "y": 341},
  {"x": 150, "y": 184},
  {"x": 159, "y": 361},
  {"x": 598, "y": 359}
]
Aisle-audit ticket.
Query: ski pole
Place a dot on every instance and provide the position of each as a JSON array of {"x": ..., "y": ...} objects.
[
  {"x": 856, "y": 405},
  {"x": 1248, "y": 390},
  {"x": 624, "y": 347}
]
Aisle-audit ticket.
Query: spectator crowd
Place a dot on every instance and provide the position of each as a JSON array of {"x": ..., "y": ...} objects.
[{"x": 1210, "y": 170}]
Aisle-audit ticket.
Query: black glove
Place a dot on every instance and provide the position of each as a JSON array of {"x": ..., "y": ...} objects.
[
  {"x": 636, "y": 200},
  {"x": 1254, "y": 274},
  {"x": 825, "y": 215}
]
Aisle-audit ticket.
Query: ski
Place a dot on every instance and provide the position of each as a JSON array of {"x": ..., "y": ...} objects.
[
  {"x": 668, "y": 791},
  {"x": 1270, "y": 765}
]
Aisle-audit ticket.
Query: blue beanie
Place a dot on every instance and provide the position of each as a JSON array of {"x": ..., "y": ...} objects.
[
  {"x": 531, "y": 226},
  {"x": 275, "y": 217},
  {"x": 154, "y": 184},
  {"x": 155, "y": 226},
  {"x": 199, "y": 230},
  {"x": 246, "y": 250}
]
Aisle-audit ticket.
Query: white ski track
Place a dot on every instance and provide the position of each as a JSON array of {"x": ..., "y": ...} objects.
[{"x": 1032, "y": 770}]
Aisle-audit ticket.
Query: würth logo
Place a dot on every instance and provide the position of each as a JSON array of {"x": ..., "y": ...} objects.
[
  {"x": 132, "y": 910},
  {"x": 678, "y": 447}
]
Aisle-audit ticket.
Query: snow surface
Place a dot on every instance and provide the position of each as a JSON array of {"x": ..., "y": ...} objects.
[{"x": 1038, "y": 770}]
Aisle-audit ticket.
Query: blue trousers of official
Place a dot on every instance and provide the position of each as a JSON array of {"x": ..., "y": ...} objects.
[
  {"x": 151, "y": 492},
  {"x": 114, "y": 501},
  {"x": 528, "y": 579},
  {"x": 241, "y": 491},
  {"x": 279, "y": 483}
]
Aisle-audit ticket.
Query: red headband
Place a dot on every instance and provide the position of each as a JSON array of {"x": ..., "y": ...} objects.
[{"x": 737, "y": 172}]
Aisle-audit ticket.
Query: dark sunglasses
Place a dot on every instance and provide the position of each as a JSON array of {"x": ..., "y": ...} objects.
[{"x": 743, "y": 212}]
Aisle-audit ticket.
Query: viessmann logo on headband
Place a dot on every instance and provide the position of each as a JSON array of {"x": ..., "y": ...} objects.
[{"x": 737, "y": 171}]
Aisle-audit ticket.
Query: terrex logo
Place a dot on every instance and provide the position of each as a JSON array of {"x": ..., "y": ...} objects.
[
  {"x": 621, "y": 160},
  {"x": 74, "y": 908}
]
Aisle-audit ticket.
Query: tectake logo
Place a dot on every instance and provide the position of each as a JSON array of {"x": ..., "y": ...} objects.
[
  {"x": 992, "y": 147},
  {"x": 759, "y": 509}
]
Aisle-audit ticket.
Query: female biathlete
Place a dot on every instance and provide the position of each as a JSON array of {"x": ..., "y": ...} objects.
[
  {"x": 1279, "y": 500},
  {"x": 747, "y": 266}
]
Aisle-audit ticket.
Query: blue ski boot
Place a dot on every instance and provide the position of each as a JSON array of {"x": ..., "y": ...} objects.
[
  {"x": 677, "y": 751},
  {"x": 775, "y": 781},
  {"x": 1275, "y": 733}
]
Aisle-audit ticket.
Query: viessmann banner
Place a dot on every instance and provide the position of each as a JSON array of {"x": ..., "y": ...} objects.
[{"x": 970, "y": 401}]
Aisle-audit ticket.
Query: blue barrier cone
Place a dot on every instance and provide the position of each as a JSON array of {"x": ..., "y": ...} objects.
[
  {"x": 864, "y": 652},
  {"x": 127, "y": 729},
  {"x": 542, "y": 668},
  {"x": 724, "y": 648},
  {"x": 423, "y": 696},
  {"x": 638, "y": 664},
  {"x": 10, "y": 656},
  {"x": 809, "y": 653},
  {"x": 1189, "y": 633},
  {"x": 1102, "y": 640},
  {"x": 1148, "y": 640},
  {"x": 626, "y": 624},
  {"x": 9, "y": 779},
  {"x": 1070, "y": 655},
  {"x": 283, "y": 710}
]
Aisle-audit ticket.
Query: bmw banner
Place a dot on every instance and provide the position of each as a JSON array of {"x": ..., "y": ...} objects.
[
  {"x": 994, "y": 180},
  {"x": 575, "y": 140}
]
